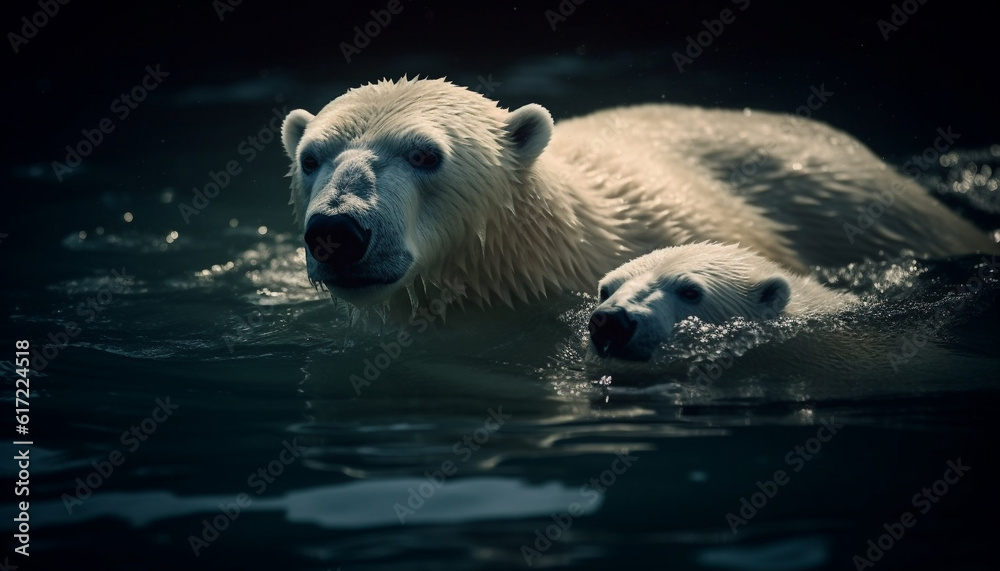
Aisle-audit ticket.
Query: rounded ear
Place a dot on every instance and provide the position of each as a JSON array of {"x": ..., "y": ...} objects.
[
  {"x": 529, "y": 129},
  {"x": 771, "y": 296},
  {"x": 293, "y": 128}
]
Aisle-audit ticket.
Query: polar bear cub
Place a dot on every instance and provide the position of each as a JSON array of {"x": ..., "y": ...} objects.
[{"x": 642, "y": 300}]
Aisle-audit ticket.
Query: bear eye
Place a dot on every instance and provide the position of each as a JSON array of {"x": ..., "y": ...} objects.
[
  {"x": 422, "y": 158},
  {"x": 309, "y": 164},
  {"x": 604, "y": 294},
  {"x": 689, "y": 294}
]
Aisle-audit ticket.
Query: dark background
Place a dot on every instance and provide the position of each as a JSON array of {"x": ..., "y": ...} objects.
[{"x": 936, "y": 71}]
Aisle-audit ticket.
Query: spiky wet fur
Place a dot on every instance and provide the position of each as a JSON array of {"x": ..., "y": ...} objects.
[{"x": 620, "y": 183}]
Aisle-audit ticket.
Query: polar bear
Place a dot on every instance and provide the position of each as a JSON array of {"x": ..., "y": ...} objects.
[
  {"x": 408, "y": 190},
  {"x": 642, "y": 301}
]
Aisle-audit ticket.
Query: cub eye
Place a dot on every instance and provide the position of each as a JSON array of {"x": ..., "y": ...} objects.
[
  {"x": 690, "y": 294},
  {"x": 604, "y": 293},
  {"x": 309, "y": 164},
  {"x": 422, "y": 158}
]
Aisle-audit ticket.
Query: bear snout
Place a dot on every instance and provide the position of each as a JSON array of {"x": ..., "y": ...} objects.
[
  {"x": 611, "y": 331},
  {"x": 336, "y": 241}
]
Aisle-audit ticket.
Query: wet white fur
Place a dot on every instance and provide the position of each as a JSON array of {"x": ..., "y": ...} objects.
[
  {"x": 731, "y": 279},
  {"x": 509, "y": 222}
]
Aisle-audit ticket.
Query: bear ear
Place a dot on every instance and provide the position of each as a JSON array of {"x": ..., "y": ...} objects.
[
  {"x": 771, "y": 296},
  {"x": 529, "y": 129},
  {"x": 292, "y": 130}
]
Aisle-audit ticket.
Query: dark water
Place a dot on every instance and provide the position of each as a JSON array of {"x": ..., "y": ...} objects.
[{"x": 195, "y": 404}]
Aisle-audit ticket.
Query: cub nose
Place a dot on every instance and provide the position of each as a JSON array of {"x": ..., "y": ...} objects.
[
  {"x": 337, "y": 241},
  {"x": 611, "y": 331}
]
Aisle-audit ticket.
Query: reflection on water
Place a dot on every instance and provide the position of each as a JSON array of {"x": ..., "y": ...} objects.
[
  {"x": 348, "y": 506},
  {"x": 217, "y": 314}
]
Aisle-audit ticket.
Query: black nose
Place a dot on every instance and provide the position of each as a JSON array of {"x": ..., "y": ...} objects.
[
  {"x": 611, "y": 331},
  {"x": 336, "y": 241}
]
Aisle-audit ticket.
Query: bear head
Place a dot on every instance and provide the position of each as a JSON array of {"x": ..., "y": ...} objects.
[
  {"x": 390, "y": 179},
  {"x": 642, "y": 300}
]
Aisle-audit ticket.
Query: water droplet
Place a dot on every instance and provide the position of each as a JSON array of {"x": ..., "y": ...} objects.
[{"x": 128, "y": 217}]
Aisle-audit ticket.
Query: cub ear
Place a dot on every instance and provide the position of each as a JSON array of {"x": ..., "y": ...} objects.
[
  {"x": 292, "y": 130},
  {"x": 529, "y": 129},
  {"x": 771, "y": 296}
]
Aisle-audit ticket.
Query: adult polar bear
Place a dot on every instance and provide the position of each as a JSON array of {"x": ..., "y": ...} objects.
[{"x": 422, "y": 181}]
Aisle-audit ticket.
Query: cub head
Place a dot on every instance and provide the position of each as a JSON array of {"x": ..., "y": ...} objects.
[
  {"x": 389, "y": 180},
  {"x": 642, "y": 301}
]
